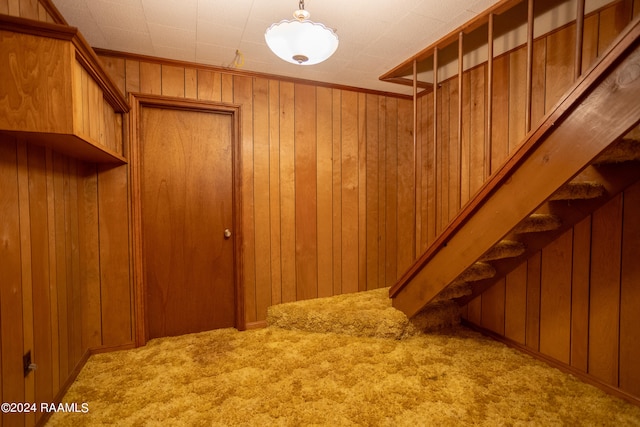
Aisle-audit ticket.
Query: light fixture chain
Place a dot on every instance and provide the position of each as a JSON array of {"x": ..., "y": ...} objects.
[{"x": 301, "y": 5}]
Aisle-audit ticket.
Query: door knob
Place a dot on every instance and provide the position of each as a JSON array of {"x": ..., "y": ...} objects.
[{"x": 227, "y": 233}]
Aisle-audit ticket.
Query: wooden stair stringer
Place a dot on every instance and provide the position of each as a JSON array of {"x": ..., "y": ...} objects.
[
  {"x": 616, "y": 178},
  {"x": 600, "y": 108}
]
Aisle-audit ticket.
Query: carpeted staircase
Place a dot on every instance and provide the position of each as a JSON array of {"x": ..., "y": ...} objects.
[
  {"x": 363, "y": 314},
  {"x": 614, "y": 170},
  {"x": 580, "y": 155},
  {"x": 371, "y": 313}
]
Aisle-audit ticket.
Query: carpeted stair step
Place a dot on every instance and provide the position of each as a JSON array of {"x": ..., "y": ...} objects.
[
  {"x": 368, "y": 314},
  {"x": 625, "y": 150},
  {"x": 579, "y": 191},
  {"x": 454, "y": 290},
  {"x": 504, "y": 249},
  {"x": 538, "y": 223},
  {"x": 461, "y": 286},
  {"x": 478, "y": 271}
]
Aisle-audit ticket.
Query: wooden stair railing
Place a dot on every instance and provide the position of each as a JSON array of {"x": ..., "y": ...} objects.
[{"x": 599, "y": 109}]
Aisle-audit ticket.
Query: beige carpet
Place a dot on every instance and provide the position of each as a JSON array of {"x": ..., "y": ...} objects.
[{"x": 281, "y": 377}]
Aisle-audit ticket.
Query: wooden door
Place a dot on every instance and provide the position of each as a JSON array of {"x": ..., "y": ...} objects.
[{"x": 187, "y": 201}]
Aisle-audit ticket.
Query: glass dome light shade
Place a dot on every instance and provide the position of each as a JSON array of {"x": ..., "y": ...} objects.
[{"x": 301, "y": 42}]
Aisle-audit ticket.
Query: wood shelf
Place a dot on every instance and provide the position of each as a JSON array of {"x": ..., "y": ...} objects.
[{"x": 54, "y": 92}]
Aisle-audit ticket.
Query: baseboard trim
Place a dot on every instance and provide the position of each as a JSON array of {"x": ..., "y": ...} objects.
[
  {"x": 582, "y": 376},
  {"x": 256, "y": 325},
  {"x": 65, "y": 386},
  {"x": 109, "y": 349}
]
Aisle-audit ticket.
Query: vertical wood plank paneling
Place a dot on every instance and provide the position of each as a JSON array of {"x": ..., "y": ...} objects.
[
  {"x": 22, "y": 157},
  {"x": 532, "y": 334},
  {"x": 478, "y": 118},
  {"x": 517, "y": 97},
  {"x": 306, "y": 197},
  {"x": 14, "y": 7},
  {"x": 274, "y": 191},
  {"x": 612, "y": 21},
  {"x": 580, "y": 294},
  {"x": 191, "y": 83},
  {"x": 261, "y": 203},
  {"x": 89, "y": 289},
  {"x": 391, "y": 193},
  {"x": 419, "y": 187},
  {"x": 372, "y": 192},
  {"x": 287, "y": 191},
  {"x": 538, "y": 80},
  {"x": 172, "y": 80},
  {"x": 79, "y": 121},
  {"x": 444, "y": 150},
  {"x": 117, "y": 71},
  {"x": 60, "y": 172},
  {"x": 382, "y": 195},
  {"x": 350, "y": 195},
  {"x": 605, "y": 291},
  {"x": 438, "y": 149},
  {"x": 132, "y": 76},
  {"x": 227, "y": 87},
  {"x": 474, "y": 310},
  {"x": 430, "y": 172},
  {"x": 243, "y": 94},
  {"x": 465, "y": 139},
  {"x": 493, "y": 301},
  {"x": 500, "y": 113},
  {"x": 12, "y": 388},
  {"x": 515, "y": 317},
  {"x": 337, "y": 190},
  {"x": 559, "y": 64},
  {"x": 115, "y": 295},
  {"x": 95, "y": 112},
  {"x": 453, "y": 176},
  {"x": 555, "y": 299},
  {"x": 29, "y": 9},
  {"x": 324, "y": 190},
  {"x": 590, "y": 41},
  {"x": 349, "y": 120},
  {"x": 53, "y": 277},
  {"x": 74, "y": 302},
  {"x": 630, "y": 293},
  {"x": 209, "y": 86},
  {"x": 150, "y": 78},
  {"x": 421, "y": 177},
  {"x": 38, "y": 214},
  {"x": 405, "y": 189},
  {"x": 362, "y": 192}
]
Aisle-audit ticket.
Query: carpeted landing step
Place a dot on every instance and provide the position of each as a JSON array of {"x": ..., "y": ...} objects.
[
  {"x": 625, "y": 150},
  {"x": 367, "y": 314}
]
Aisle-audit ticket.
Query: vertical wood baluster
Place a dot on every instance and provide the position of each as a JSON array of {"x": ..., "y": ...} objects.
[
  {"x": 435, "y": 125},
  {"x": 579, "y": 39},
  {"x": 416, "y": 186},
  {"x": 487, "y": 149},
  {"x": 529, "y": 64},
  {"x": 460, "y": 71}
]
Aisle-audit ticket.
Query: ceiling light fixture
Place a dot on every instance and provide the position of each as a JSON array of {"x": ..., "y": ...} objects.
[{"x": 301, "y": 41}]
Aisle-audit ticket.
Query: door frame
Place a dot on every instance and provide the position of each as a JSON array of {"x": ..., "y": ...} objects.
[{"x": 137, "y": 102}]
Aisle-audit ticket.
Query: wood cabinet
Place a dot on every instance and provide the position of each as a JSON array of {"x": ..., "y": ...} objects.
[{"x": 54, "y": 92}]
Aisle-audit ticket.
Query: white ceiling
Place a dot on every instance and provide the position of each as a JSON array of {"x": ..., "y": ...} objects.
[{"x": 375, "y": 35}]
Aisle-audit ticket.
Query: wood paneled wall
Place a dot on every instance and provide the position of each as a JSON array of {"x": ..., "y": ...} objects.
[
  {"x": 64, "y": 263},
  {"x": 327, "y": 178},
  {"x": 30, "y": 9},
  {"x": 577, "y": 300},
  {"x": 452, "y": 170}
]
